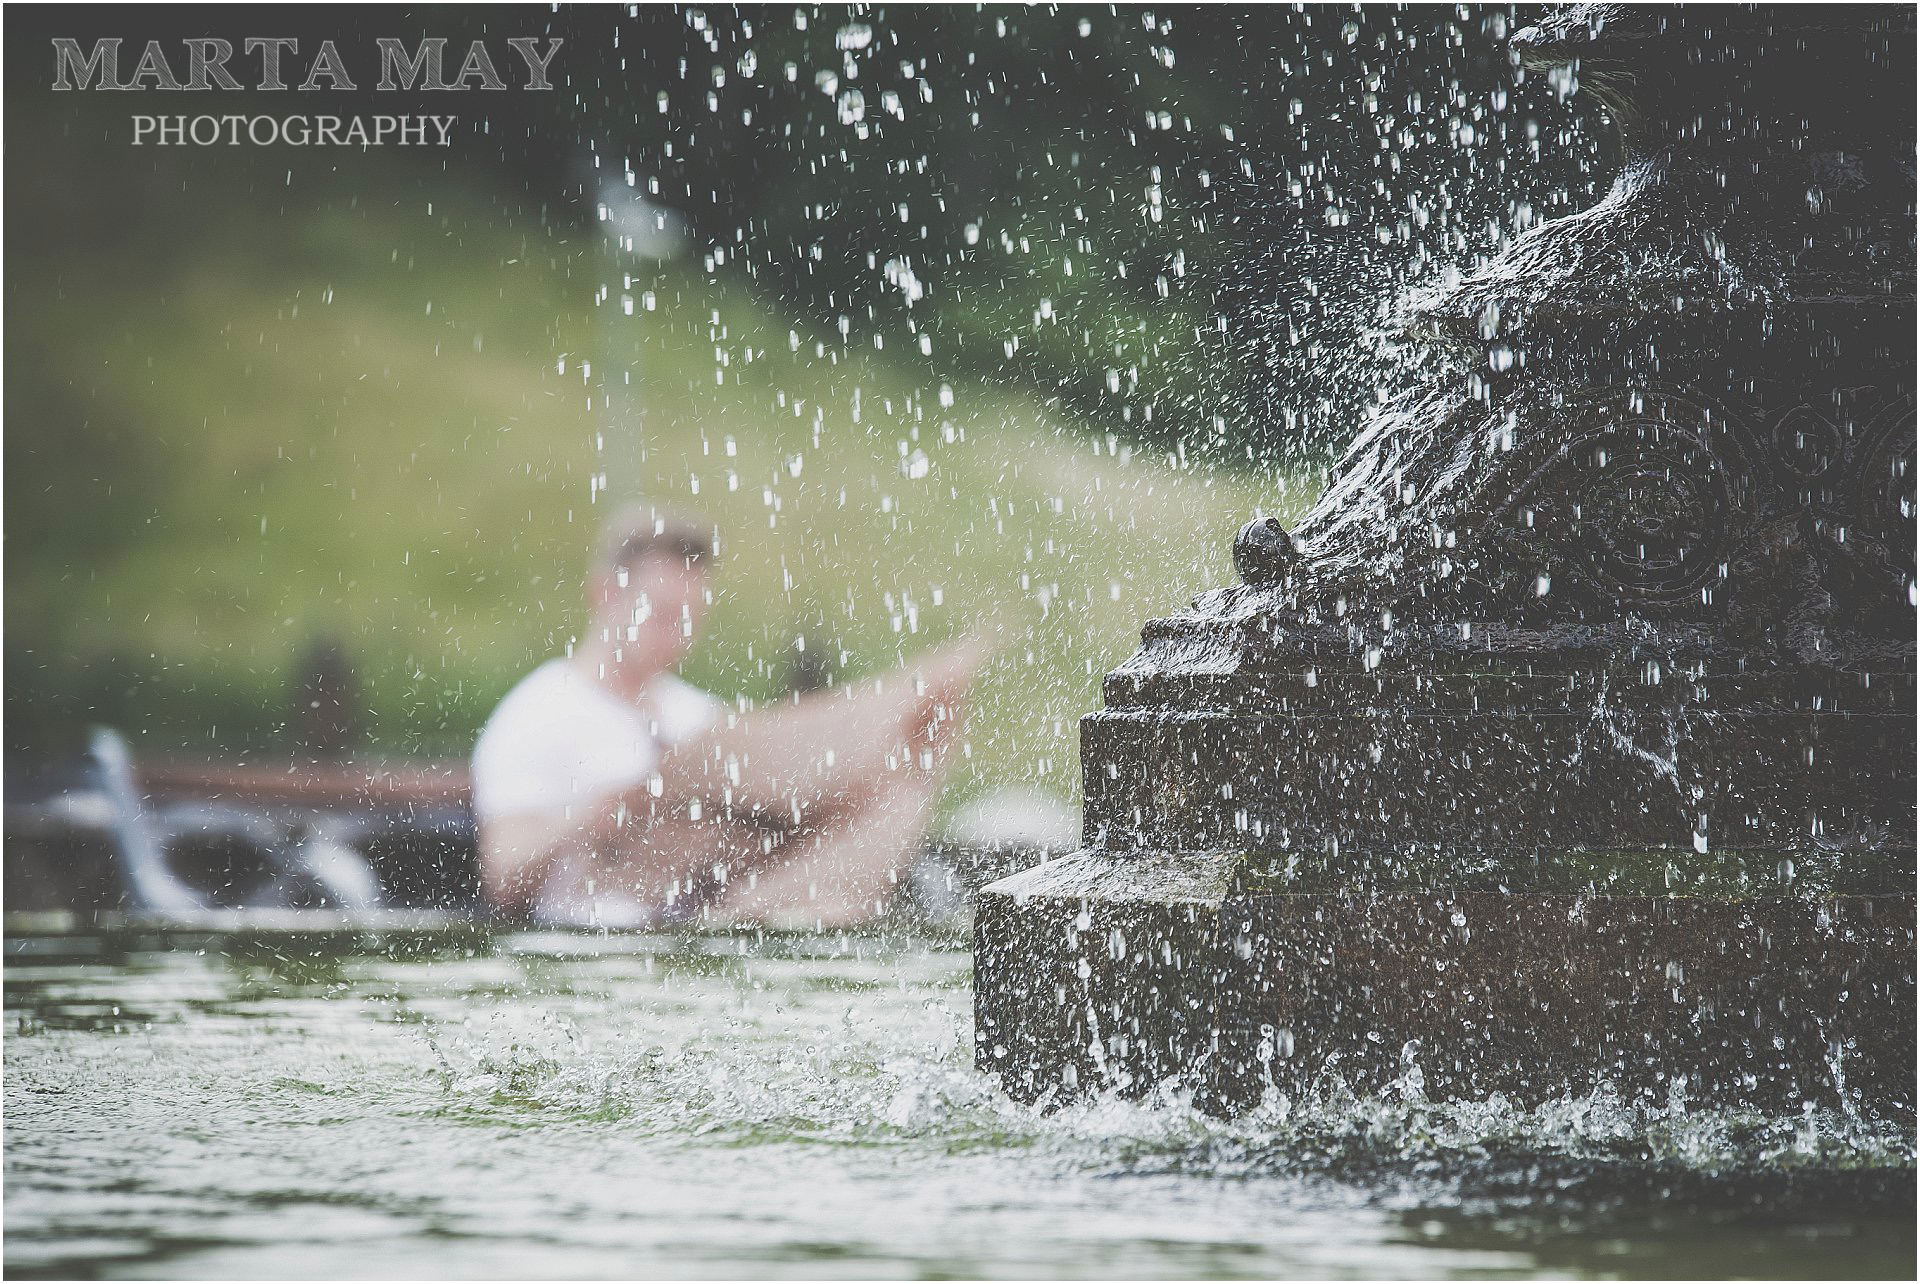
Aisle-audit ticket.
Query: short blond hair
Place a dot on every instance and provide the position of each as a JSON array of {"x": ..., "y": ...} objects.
[{"x": 640, "y": 530}]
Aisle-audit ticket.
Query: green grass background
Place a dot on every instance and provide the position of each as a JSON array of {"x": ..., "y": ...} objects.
[{"x": 246, "y": 409}]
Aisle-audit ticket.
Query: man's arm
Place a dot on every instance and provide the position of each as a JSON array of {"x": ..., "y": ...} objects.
[
  {"x": 645, "y": 840},
  {"x": 788, "y": 759},
  {"x": 515, "y": 854},
  {"x": 518, "y": 851}
]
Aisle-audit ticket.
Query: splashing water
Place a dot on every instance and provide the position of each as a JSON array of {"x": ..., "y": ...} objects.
[{"x": 566, "y": 1106}]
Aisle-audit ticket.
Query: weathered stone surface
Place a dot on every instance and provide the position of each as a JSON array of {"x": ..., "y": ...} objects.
[
  {"x": 1763, "y": 1002},
  {"x": 1091, "y": 973},
  {"x": 1601, "y": 642},
  {"x": 1089, "y": 977}
]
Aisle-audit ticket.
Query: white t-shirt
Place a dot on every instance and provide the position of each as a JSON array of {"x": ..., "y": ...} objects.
[{"x": 560, "y": 739}]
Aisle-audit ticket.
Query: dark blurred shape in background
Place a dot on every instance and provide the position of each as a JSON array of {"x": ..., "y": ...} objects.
[
  {"x": 326, "y": 714},
  {"x": 811, "y": 663}
]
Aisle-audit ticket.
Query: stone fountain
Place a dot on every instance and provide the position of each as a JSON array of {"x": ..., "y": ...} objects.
[{"x": 1571, "y": 736}]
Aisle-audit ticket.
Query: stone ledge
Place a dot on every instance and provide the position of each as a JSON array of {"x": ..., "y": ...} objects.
[{"x": 1105, "y": 971}]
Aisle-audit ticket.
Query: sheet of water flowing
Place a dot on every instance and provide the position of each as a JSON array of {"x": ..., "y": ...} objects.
[{"x": 578, "y": 1107}]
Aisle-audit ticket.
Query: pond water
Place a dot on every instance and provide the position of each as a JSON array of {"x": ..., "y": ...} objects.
[{"x": 578, "y": 1106}]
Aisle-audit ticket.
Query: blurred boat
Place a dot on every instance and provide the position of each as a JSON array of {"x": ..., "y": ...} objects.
[
  {"x": 296, "y": 845},
  {"x": 343, "y": 852}
]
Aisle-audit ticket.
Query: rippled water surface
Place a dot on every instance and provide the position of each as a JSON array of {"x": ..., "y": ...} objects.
[{"x": 576, "y": 1106}]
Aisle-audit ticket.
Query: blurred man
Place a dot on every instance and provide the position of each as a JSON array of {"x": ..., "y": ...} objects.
[{"x": 610, "y": 792}]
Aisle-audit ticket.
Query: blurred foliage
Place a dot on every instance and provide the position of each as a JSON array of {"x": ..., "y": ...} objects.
[
  {"x": 1029, "y": 306},
  {"x": 1179, "y": 221}
]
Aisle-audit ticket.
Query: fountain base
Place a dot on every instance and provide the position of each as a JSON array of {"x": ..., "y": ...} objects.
[{"x": 1101, "y": 972}]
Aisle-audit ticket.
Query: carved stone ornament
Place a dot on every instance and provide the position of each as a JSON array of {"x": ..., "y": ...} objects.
[{"x": 1571, "y": 734}]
